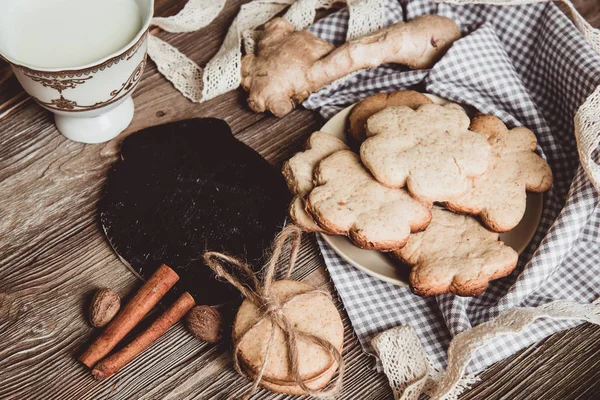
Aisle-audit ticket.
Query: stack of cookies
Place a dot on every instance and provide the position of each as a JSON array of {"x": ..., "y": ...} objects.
[
  {"x": 313, "y": 315},
  {"x": 428, "y": 184}
]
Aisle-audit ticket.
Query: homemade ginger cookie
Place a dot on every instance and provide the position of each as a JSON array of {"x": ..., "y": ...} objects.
[
  {"x": 292, "y": 388},
  {"x": 455, "y": 254},
  {"x": 373, "y": 104},
  {"x": 347, "y": 200},
  {"x": 298, "y": 172},
  {"x": 499, "y": 195},
  {"x": 301, "y": 218},
  {"x": 312, "y": 314},
  {"x": 431, "y": 151}
]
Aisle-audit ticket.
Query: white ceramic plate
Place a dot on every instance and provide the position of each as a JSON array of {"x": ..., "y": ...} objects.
[{"x": 383, "y": 267}]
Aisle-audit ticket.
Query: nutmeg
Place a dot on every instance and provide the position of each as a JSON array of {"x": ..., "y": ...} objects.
[
  {"x": 205, "y": 323},
  {"x": 105, "y": 305}
]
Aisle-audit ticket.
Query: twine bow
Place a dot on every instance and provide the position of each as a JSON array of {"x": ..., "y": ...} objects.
[{"x": 270, "y": 308}]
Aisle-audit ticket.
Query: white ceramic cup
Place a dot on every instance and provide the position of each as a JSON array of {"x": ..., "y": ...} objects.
[{"x": 91, "y": 103}]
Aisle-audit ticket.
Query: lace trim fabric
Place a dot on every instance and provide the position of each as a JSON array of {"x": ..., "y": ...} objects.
[
  {"x": 404, "y": 361},
  {"x": 410, "y": 374}
]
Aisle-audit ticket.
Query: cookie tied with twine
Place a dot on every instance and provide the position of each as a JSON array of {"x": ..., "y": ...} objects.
[{"x": 287, "y": 335}]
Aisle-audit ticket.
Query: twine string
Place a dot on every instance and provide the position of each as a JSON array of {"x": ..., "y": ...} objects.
[
  {"x": 217, "y": 262},
  {"x": 271, "y": 309}
]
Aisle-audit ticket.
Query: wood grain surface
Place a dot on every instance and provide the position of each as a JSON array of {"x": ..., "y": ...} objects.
[{"x": 53, "y": 256}]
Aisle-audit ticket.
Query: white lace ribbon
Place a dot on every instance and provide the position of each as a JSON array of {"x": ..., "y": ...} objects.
[
  {"x": 408, "y": 370},
  {"x": 404, "y": 361}
]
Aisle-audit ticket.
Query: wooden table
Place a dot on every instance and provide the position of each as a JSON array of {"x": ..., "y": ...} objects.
[{"x": 53, "y": 256}]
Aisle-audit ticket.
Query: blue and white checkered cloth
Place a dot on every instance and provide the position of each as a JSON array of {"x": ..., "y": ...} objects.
[{"x": 527, "y": 65}]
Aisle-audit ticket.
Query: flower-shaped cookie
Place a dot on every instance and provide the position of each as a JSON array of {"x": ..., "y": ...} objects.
[
  {"x": 298, "y": 172},
  {"x": 364, "y": 109},
  {"x": 499, "y": 195},
  {"x": 347, "y": 200},
  {"x": 455, "y": 254},
  {"x": 431, "y": 151}
]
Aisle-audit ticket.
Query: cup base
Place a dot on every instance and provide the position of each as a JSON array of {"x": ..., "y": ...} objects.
[{"x": 97, "y": 129}]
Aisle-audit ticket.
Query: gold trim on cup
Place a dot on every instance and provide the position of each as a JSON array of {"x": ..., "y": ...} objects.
[
  {"x": 66, "y": 105},
  {"x": 127, "y": 54}
]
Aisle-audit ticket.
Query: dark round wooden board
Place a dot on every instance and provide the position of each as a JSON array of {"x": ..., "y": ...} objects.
[{"x": 185, "y": 188}]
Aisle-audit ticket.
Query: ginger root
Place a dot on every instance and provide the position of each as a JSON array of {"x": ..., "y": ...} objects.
[
  {"x": 277, "y": 77},
  {"x": 290, "y": 65}
]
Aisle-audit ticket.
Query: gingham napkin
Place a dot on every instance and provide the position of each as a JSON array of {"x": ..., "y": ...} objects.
[{"x": 527, "y": 65}]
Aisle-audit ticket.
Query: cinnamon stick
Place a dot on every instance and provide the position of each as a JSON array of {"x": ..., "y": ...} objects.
[
  {"x": 112, "y": 364},
  {"x": 145, "y": 298}
]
